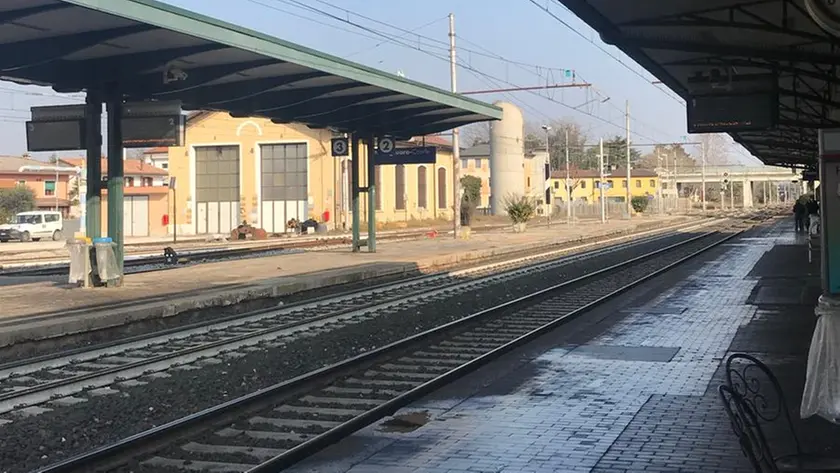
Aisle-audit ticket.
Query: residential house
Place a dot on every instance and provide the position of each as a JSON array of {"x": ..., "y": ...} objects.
[
  {"x": 146, "y": 205},
  {"x": 643, "y": 182},
  {"x": 475, "y": 161},
  {"x": 157, "y": 157},
  {"x": 52, "y": 189}
]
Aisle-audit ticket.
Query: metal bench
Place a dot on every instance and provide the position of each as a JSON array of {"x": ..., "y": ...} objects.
[{"x": 752, "y": 397}]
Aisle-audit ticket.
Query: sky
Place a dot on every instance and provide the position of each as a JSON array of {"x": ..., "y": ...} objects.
[{"x": 500, "y": 44}]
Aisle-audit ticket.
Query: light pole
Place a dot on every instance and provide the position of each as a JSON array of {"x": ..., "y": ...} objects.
[{"x": 547, "y": 190}]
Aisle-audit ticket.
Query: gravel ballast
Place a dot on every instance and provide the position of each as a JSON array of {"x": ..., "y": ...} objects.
[
  {"x": 30, "y": 443},
  {"x": 87, "y": 340}
]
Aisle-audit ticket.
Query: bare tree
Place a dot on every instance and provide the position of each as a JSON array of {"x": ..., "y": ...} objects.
[
  {"x": 475, "y": 134},
  {"x": 136, "y": 153},
  {"x": 717, "y": 148}
]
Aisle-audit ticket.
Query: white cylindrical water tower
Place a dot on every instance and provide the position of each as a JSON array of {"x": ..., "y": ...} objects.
[{"x": 507, "y": 157}]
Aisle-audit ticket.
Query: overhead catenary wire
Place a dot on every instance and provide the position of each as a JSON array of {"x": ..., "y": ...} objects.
[
  {"x": 601, "y": 48},
  {"x": 467, "y": 67}
]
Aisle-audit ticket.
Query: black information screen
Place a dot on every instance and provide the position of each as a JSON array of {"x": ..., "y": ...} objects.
[
  {"x": 66, "y": 135},
  {"x": 150, "y": 132},
  {"x": 732, "y": 113}
]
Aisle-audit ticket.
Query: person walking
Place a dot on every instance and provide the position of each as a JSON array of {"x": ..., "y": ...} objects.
[
  {"x": 813, "y": 209},
  {"x": 800, "y": 212}
]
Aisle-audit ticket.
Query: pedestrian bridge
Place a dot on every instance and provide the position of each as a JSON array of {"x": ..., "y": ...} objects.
[
  {"x": 735, "y": 174},
  {"x": 742, "y": 177}
]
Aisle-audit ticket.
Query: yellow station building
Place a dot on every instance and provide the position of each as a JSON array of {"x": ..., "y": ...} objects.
[
  {"x": 643, "y": 182},
  {"x": 250, "y": 169}
]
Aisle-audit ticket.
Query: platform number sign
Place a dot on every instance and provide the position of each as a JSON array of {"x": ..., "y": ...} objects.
[
  {"x": 340, "y": 147},
  {"x": 386, "y": 145}
]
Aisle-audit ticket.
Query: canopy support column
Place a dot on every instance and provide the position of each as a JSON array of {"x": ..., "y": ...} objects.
[
  {"x": 115, "y": 176},
  {"x": 355, "y": 191},
  {"x": 371, "y": 180},
  {"x": 93, "y": 165}
]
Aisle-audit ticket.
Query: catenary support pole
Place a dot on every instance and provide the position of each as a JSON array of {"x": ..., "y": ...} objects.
[
  {"x": 601, "y": 182},
  {"x": 115, "y": 176},
  {"x": 93, "y": 165},
  {"x": 629, "y": 204},
  {"x": 354, "y": 190},
  {"x": 703, "y": 175},
  {"x": 676, "y": 185},
  {"x": 568, "y": 183},
  {"x": 547, "y": 171},
  {"x": 456, "y": 149},
  {"x": 371, "y": 193},
  {"x": 659, "y": 174}
]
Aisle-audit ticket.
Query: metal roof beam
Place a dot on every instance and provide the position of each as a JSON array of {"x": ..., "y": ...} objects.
[
  {"x": 794, "y": 56},
  {"x": 739, "y": 25},
  {"x": 280, "y": 99},
  {"x": 390, "y": 113},
  {"x": 392, "y": 117},
  {"x": 150, "y": 84},
  {"x": 806, "y": 124},
  {"x": 782, "y": 145},
  {"x": 346, "y": 106},
  {"x": 702, "y": 11},
  {"x": 215, "y": 95},
  {"x": 15, "y": 15},
  {"x": 421, "y": 127},
  {"x": 22, "y": 54},
  {"x": 79, "y": 75}
]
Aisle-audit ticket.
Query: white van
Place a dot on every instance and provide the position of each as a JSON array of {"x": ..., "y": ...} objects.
[{"x": 35, "y": 225}]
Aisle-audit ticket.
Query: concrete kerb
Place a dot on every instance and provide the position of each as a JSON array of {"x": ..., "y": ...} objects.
[{"x": 80, "y": 321}]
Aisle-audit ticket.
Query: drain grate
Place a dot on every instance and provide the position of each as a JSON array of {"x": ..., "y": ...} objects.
[
  {"x": 617, "y": 352},
  {"x": 662, "y": 310}
]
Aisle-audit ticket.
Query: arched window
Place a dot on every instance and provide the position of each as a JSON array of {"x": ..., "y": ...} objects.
[
  {"x": 441, "y": 177},
  {"x": 399, "y": 187},
  {"x": 422, "y": 193}
]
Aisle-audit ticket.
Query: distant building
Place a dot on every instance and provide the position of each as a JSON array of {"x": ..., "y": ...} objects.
[
  {"x": 232, "y": 169},
  {"x": 643, "y": 182},
  {"x": 475, "y": 161},
  {"x": 146, "y": 196},
  {"x": 52, "y": 191},
  {"x": 157, "y": 157}
]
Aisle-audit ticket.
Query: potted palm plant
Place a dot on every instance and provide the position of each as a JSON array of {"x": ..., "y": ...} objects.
[{"x": 520, "y": 209}]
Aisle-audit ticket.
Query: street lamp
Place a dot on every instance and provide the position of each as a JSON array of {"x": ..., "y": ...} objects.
[{"x": 547, "y": 171}]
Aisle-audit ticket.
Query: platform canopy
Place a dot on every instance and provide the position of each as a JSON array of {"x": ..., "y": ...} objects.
[
  {"x": 148, "y": 50},
  {"x": 674, "y": 39}
]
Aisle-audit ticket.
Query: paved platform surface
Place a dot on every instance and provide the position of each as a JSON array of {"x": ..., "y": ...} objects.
[
  {"x": 629, "y": 387},
  {"x": 35, "y": 308}
]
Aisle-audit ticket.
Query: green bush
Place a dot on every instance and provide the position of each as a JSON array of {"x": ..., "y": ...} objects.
[
  {"x": 471, "y": 198},
  {"x": 15, "y": 200},
  {"x": 639, "y": 203},
  {"x": 520, "y": 208}
]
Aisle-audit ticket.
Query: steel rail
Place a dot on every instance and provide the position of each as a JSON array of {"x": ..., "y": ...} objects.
[{"x": 85, "y": 462}]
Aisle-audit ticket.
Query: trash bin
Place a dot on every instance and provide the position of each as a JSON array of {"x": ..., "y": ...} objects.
[
  {"x": 106, "y": 262},
  {"x": 79, "y": 266}
]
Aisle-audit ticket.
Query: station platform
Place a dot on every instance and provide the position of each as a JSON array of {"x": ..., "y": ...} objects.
[
  {"x": 37, "y": 308},
  {"x": 628, "y": 387}
]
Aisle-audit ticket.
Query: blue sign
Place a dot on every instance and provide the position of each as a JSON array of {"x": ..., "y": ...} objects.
[{"x": 418, "y": 155}]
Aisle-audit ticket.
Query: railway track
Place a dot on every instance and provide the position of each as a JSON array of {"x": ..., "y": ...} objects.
[
  {"x": 187, "y": 256},
  {"x": 277, "y": 426},
  {"x": 70, "y": 376}
]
